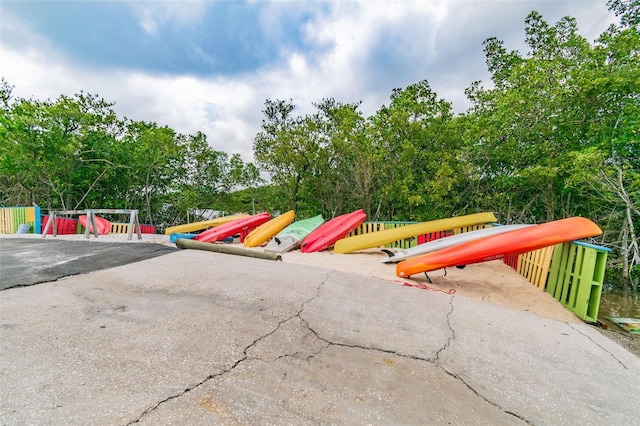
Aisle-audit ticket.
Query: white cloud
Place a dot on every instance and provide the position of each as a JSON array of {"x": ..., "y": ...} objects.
[
  {"x": 152, "y": 15},
  {"x": 346, "y": 34},
  {"x": 354, "y": 32}
]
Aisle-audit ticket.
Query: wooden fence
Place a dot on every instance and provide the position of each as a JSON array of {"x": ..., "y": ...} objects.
[
  {"x": 572, "y": 273},
  {"x": 12, "y": 217}
]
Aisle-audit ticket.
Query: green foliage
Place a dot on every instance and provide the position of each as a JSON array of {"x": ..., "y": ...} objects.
[
  {"x": 628, "y": 10},
  {"x": 557, "y": 134},
  {"x": 399, "y": 164},
  {"x": 417, "y": 143},
  {"x": 74, "y": 153}
]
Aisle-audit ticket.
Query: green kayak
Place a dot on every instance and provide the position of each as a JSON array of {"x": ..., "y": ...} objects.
[{"x": 291, "y": 236}]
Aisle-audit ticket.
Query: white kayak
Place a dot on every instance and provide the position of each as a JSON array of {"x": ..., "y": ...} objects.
[{"x": 447, "y": 242}]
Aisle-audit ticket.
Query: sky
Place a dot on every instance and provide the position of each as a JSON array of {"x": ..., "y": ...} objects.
[{"x": 209, "y": 66}]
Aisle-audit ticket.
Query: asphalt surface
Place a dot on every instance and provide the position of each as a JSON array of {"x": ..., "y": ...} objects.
[
  {"x": 26, "y": 262},
  {"x": 194, "y": 337}
]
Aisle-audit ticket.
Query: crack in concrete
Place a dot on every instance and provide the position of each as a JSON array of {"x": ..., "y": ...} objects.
[
  {"x": 243, "y": 358},
  {"x": 434, "y": 361},
  {"x": 328, "y": 343},
  {"x": 598, "y": 345},
  {"x": 459, "y": 378},
  {"x": 451, "y": 330},
  {"x": 306, "y": 324},
  {"x": 485, "y": 399}
]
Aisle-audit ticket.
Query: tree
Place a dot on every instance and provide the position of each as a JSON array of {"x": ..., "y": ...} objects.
[
  {"x": 557, "y": 134},
  {"x": 287, "y": 148},
  {"x": 75, "y": 153},
  {"x": 343, "y": 175},
  {"x": 611, "y": 87},
  {"x": 417, "y": 152},
  {"x": 45, "y": 147}
]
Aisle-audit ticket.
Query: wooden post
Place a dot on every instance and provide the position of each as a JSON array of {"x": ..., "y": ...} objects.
[
  {"x": 52, "y": 219},
  {"x": 226, "y": 249},
  {"x": 133, "y": 222},
  {"x": 91, "y": 223}
]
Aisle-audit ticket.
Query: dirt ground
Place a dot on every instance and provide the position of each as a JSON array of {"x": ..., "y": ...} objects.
[{"x": 623, "y": 338}]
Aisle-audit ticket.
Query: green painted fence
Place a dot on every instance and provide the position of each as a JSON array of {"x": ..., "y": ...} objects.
[{"x": 576, "y": 277}]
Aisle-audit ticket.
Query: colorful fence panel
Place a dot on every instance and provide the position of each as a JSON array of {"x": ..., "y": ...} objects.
[
  {"x": 404, "y": 243},
  {"x": 511, "y": 261},
  {"x": 576, "y": 277},
  {"x": 471, "y": 228},
  {"x": 367, "y": 227},
  {"x": 122, "y": 228},
  {"x": 534, "y": 266},
  {"x": 573, "y": 273},
  {"x": 64, "y": 226},
  {"x": 433, "y": 236},
  {"x": 12, "y": 217},
  {"x": 133, "y": 225}
]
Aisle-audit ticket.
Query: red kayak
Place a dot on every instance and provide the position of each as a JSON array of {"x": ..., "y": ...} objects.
[
  {"x": 497, "y": 246},
  {"x": 331, "y": 231},
  {"x": 229, "y": 229},
  {"x": 103, "y": 225}
]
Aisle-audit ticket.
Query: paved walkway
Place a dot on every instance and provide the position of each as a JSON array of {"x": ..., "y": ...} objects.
[{"x": 196, "y": 337}]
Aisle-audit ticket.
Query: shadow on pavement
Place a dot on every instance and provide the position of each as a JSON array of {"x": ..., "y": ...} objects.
[{"x": 26, "y": 262}]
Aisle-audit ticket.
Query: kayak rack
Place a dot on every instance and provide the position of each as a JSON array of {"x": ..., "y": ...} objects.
[{"x": 134, "y": 223}]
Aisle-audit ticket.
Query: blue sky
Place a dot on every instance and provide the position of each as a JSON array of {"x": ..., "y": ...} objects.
[{"x": 209, "y": 65}]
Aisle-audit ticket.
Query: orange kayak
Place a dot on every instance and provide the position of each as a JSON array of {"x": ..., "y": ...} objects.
[{"x": 497, "y": 246}]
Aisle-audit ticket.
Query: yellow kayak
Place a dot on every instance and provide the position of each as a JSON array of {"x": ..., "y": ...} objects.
[
  {"x": 380, "y": 238},
  {"x": 268, "y": 229},
  {"x": 205, "y": 224}
]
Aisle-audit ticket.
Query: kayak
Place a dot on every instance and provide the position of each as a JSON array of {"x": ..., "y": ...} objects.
[
  {"x": 291, "y": 236},
  {"x": 232, "y": 228},
  {"x": 333, "y": 230},
  {"x": 498, "y": 246},
  {"x": 268, "y": 229},
  {"x": 103, "y": 225},
  {"x": 445, "y": 242},
  {"x": 380, "y": 238},
  {"x": 205, "y": 224}
]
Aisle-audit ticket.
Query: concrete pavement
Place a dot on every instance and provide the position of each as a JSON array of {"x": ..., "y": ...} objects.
[{"x": 196, "y": 337}]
